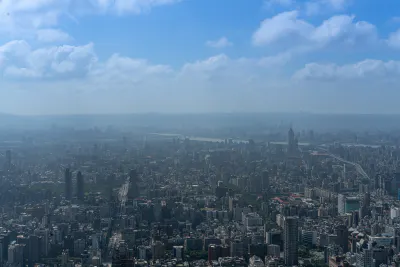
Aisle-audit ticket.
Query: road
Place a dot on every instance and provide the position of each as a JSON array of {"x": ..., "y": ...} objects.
[
  {"x": 123, "y": 192},
  {"x": 358, "y": 167},
  {"x": 112, "y": 244},
  {"x": 302, "y": 159},
  {"x": 116, "y": 235}
]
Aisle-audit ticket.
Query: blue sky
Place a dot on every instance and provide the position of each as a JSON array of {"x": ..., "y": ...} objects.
[{"x": 123, "y": 56}]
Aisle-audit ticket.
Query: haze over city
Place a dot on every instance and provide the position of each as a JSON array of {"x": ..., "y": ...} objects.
[{"x": 199, "y": 133}]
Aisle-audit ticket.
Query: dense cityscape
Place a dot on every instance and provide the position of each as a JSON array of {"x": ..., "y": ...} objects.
[{"x": 116, "y": 197}]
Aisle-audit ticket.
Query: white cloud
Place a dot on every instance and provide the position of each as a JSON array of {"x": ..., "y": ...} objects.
[
  {"x": 220, "y": 43},
  {"x": 394, "y": 39},
  {"x": 21, "y": 61},
  {"x": 282, "y": 26},
  {"x": 287, "y": 28},
  {"x": 343, "y": 28},
  {"x": 118, "y": 6},
  {"x": 282, "y": 3},
  {"x": 316, "y": 7},
  {"x": 310, "y": 7},
  {"x": 395, "y": 20},
  {"x": 22, "y": 17},
  {"x": 277, "y": 60},
  {"x": 119, "y": 69},
  {"x": 368, "y": 69},
  {"x": 130, "y": 6},
  {"x": 52, "y": 36}
]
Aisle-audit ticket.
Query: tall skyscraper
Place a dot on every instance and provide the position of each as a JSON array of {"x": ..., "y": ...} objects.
[
  {"x": 80, "y": 193},
  {"x": 33, "y": 249},
  {"x": 265, "y": 181},
  {"x": 8, "y": 159},
  {"x": 290, "y": 245},
  {"x": 367, "y": 200},
  {"x": 342, "y": 237},
  {"x": 68, "y": 184},
  {"x": 290, "y": 139},
  {"x": 133, "y": 191},
  {"x": 292, "y": 142},
  {"x": 365, "y": 258},
  {"x": 341, "y": 204}
]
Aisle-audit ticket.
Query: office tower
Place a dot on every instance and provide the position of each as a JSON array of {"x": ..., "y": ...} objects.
[
  {"x": 45, "y": 243},
  {"x": 259, "y": 250},
  {"x": 80, "y": 193},
  {"x": 341, "y": 204},
  {"x": 110, "y": 185},
  {"x": 4, "y": 242},
  {"x": 133, "y": 191},
  {"x": 64, "y": 258},
  {"x": 121, "y": 256},
  {"x": 237, "y": 248},
  {"x": 291, "y": 141},
  {"x": 290, "y": 246},
  {"x": 342, "y": 234},
  {"x": 16, "y": 254},
  {"x": 265, "y": 182},
  {"x": 79, "y": 247},
  {"x": 33, "y": 249},
  {"x": 158, "y": 250},
  {"x": 69, "y": 244},
  {"x": 213, "y": 252},
  {"x": 68, "y": 184},
  {"x": 8, "y": 159},
  {"x": 178, "y": 252},
  {"x": 308, "y": 238},
  {"x": 365, "y": 258},
  {"x": 273, "y": 251},
  {"x": 367, "y": 200}
]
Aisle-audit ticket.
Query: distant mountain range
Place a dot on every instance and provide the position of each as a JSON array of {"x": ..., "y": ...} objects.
[{"x": 299, "y": 121}]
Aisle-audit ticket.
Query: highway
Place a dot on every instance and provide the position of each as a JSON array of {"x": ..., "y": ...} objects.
[
  {"x": 302, "y": 159},
  {"x": 358, "y": 167},
  {"x": 116, "y": 235},
  {"x": 112, "y": 244},
  {"x": 123, "y": 192}
]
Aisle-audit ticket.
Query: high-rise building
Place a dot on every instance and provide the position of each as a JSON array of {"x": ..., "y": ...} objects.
[
  {"x": 342, "y": 234},
  {"x": 367, "y": 200},
  {"x": 45, "y": 243},
  {"x": 158, "y": 250},
  {"x": 290, "y": 245},
  {"x": 365, "y": 258},
  {"x": 237, "y": 248},
  {"x": 33, "y": 249},
  {"x": 347, "y": 204},
  {"x": 64, "y": 258},
  {"x": 4, "y": 242},
  {"x": 16, "y": 254},
  {"x": 265, "y": 182},
  {"x": 8, "y": 159},
  {"x": 122, "y": 256},
  {"x": 178, "y": 252},
  {"x": 68, "y": 184},
  {"x": 133, "y": 191},
  {"x": 273, "y": 251},
  {"x": 213, "y": 252},
  {"x": 291, "y": 141},
  {"x": 80, "y": 193},
  {"x": 341, "y": 204}
]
